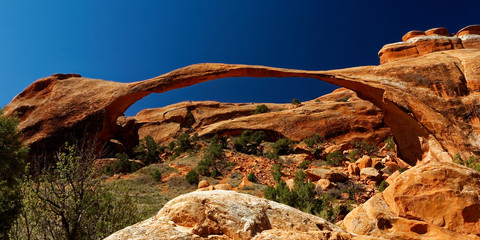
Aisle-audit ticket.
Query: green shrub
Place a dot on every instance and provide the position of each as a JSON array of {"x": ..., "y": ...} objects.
[
  {"x": 335, "y": 158},
  {"x": 305, "y": 164},
  {"x": 203, "y": 167},
  {"x": 272, "y": 155},
  {"x": 214, "y": 173},
  {"x": 183, "y": 143},
  {"x": 389, "y": 143},
  {"x": 365, "y": 147},
  {"x": 70, "y": 201},
  {"x": 12, "y": 157},
  {"x": 148, "y": 151},
  {"x": 192, "y": 177},
  {"x": 282, "y": 146},
  {"x": 277, "y": 173},
  {"x": 295, "y": 101},
  {"x": 353, "y": 155},
  {"x": 262, "y": 108},
  {"x": 249, "y": 142},
  {"x": 123, "y": 165},
  {"x": 383, "y": 184},
  {"x": 314, "y": 139},
  {"x": 471, "y": 162},
  {"x": 156, "y": 175},
  {"x": 251, "y": 177}
]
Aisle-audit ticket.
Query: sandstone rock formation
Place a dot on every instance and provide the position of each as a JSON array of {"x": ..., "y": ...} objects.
[
  {"x": 430, "y": 101},
  {"x": 418, "y": 43},
  {"x": 433, "y": 201},
  {"x": 229, "y": 215},
  {"x": 339, "y": 116}
]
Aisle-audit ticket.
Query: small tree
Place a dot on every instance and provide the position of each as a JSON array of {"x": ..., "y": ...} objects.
[
  {"x": 69, "y": 201},
  {"x": 148, "y": 150},
  {"x": 282, "y": 146},
  {"x": 12, "y": 160},
  {"x": 295, "y": 101},
  {"x": 262, "y": 108}
]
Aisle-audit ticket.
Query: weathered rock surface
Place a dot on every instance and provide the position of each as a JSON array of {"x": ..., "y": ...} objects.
[
  {"x": 229, "y": 215},
  {"x": 429, "y": 102},
  {"x": 433, "y": 201},
  {"x": 418, "y": 43},
  {"x": 340, "y": 121}
]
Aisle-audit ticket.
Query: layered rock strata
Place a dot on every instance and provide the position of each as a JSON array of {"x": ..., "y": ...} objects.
[{"x": 340, "y": 116}]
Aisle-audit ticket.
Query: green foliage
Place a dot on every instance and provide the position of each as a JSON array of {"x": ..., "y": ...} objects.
[
  {"x": 183, "y": 143},
  {"x": 249, "y": 142},
  {"x": 335, "y": 158},
  {"x": 156, "y": 175},
  {"x": 272, "y": 155},
  {"x": 192, "y": 177},
  {"x": 389, "y": 143},
  {"x": 69, "y": 201},
  {"x": 305, "y": 164},
  {"x": 148, "y": 151},
  {"x": 277, "y": 173},
  {"x": 302, "y": 196},
  {"x": 382, "y": 186},
  {"x": 313, "y": 140},
  {"x": 353, "y": 155},
  {"x": 343, "y": 99},
  {"x": 365, "y": 147},
  {"x": 12, "y": 159},
  {"x": 295, "y": 101},
  {"x": 214, "y": 173},
  {"x": 282, "y": 146},
  {"x": 123, "y": 165},
  {"x": 262, "y": 108},
  {"x": 471, "y": 162},
  {"x": 251, "y": 177}
]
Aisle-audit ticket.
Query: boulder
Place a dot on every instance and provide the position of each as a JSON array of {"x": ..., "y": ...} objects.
[
  {"x": 323, "y": 185},
  {"x": 229, "y": 215},
  {"x": 364, "y": 162},
  {"x": 203, "y": 183},
  {"x": 370, "y": 173},
  {"x": 433, "y": 201},
  {"x": 334, "y": 175}
]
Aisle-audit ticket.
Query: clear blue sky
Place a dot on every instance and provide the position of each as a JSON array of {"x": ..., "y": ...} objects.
[{"x": 131, "y": 40}]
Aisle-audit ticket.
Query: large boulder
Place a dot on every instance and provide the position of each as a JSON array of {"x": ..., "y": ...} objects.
[
  {"x": 229, "y": 215},
  {"x": 434, "y": 201}
]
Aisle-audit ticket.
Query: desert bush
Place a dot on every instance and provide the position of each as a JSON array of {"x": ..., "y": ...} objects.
[
  {"x": 389, "y": 143},
  {"x": 305, "y": 164},
  {"x": 282, "y": 146},
  {"x": 69, "y": 201},
  {"x": 313, "y": 140},
  {"x": 251, "y": 177},
  {"x": 12, "y": 158},
  {"x": 365, "y": 147},
  {"x": 148, "y": 150},
  {"x": 249, "y": 142},
  {"x": 383, "y": 184},
  {"x": 122, "y": 165},
  {"x": 335, "y": 158},
  {"x": 192, "y": 177},
  {"x": 262, "y": 108},
  {"x": 471, "y": 162},
  {"x": 295, "y": 101},
  {"x": 156, "y": 175}
]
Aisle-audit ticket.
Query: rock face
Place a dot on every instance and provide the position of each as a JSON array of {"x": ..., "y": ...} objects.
[
  {"x": 339, "y": 116},
  {"x": 419, "y": 43},
  {"x": 229, "y": 215},
  {"x": 429, "y": 102},
  {"x": 434, "y": 201}
]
